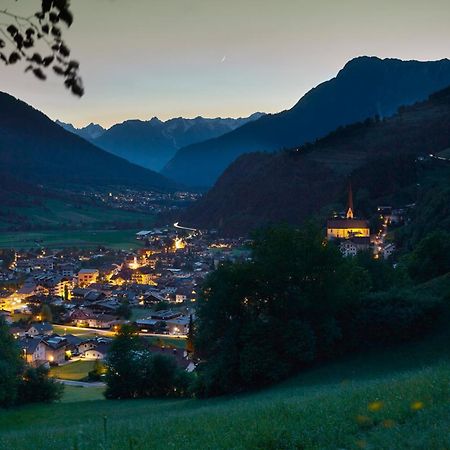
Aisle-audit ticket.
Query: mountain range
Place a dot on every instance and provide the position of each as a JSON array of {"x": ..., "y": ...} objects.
[
  {"x": 36, "y": 150},
  {"x": 153, "y": 143},
  {"x": 380, "y": 156},
  {"x": 89, "y": 132},
  {"x": 365, "y": 87}
]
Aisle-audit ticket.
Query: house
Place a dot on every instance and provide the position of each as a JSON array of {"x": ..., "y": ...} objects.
[
  {"x": 87, "y": 277},
  {"x": 142, "y": 235},
  {"x": 102, "y": 321},
  {"x": 40, "y": 329},
  {"x": 86, "y": 345},
  {"x": 350, "y": 247},
  {"x": 388, "y": 250},
  {"x": 165, "y": 315},
  {"x": 17, "y": 332},
  {"x": 73, "y": 343},
  {"x": 178, "y": 326},
  {"x": 55, "y": 349},
  {"x": 100, "y": 351},
  {"x": 33, "y": 350}
]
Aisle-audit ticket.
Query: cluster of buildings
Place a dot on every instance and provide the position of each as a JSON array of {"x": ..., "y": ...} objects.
[{"x": 353, "y": 234}]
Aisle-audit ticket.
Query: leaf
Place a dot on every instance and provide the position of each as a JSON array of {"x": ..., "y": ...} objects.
[
  {"x": 28, "y": 43},
  {"x": 59, "y": 70},
  {"x": 3, "y": 58},
  {"x": 2, "y": 43},
  {"x": 39, "y": 74},
  {"x": 65, "y": 51},
  {"x": 28, "y": 68},
  {"x": 47, "y": 61},
  {"x": 73, "y": 64},
  {"x": 61, "y": 4},
  {"x": 56, "y": 31},
  {"x": 53, "y": 17},
  {"x": 66, "y": 16},
  {"x": 77, "y": 90},
  {"x": 12, "y": 30},
  {"x": 13, "y": 58},
  {"x": 30, "y": 31},
  {"x": 37, "y": 58},
  {"x": 45, "y": 28},
  {"x": 46, "y": 6}
]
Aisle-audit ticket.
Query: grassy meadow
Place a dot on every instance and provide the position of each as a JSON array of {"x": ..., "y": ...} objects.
[
  {"x": 74, "y": 371},
  {"x": 398, "y": 398},
  {"x": 67, "y": 225},
  {"x": 116, "y": 239}
]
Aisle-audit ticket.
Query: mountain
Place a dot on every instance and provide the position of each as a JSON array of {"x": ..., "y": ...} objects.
[
  {"x": 378, "y": 154},
  {"x": 153, "y": 143},
  {"x": 35, "y": 149},
  {"x": 365, "y": 87},
  {"x": 89, "y": 132}
]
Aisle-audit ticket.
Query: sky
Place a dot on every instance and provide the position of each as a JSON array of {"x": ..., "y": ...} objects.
[{"x": 172, "y": 58}]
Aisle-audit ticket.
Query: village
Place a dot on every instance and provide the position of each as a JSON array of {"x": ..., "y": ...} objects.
[{"x": 64, "y": 306}]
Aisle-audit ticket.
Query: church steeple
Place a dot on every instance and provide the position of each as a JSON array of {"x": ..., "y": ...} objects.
[{"x": 350, "y": 214}]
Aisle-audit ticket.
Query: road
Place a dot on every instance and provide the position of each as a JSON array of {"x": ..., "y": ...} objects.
[
  {"x": 109, "y": 333},
  {"x": 177, "y": 225},
  {"x": 81, "y": 383}
]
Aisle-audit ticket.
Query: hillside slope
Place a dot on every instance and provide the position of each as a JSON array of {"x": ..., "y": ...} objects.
[
  {"x": 292, "y": 185},
  {"x": 365, "y": 87},
  {"x": 153, "y": 143},
  {"x": 35, "y": 149},
  {"x": 391, "y": 399}
]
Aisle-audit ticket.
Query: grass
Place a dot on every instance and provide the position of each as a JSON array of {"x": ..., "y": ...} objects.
[
  {"x": 116, "y": 239},
  {"x": 396, "y": 398},
  {"x": 82, "y": 394},
  {"x": 53, "y": 213},
  {"x": 74, "y": 371}
]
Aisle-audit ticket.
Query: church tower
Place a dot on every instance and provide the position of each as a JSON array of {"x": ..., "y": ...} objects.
[{"x": 350, "y": 214}]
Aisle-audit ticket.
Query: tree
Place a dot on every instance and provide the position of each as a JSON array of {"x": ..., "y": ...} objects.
[
  {"x": 190, "y": 346},
  {"x": 66, "y": 293},
  {"x": 36, "y": 386},
  {"x": 37, "y": 40},
  {"x": 431, "y": 257},
  {"x": 134, "y": 372},
  {"x": 122, "y": 376},
  {"x": 259, "y": 321},
  {"x": 11, "y": 366},
  {"x": 46, "y": 313},
  {"x": 124, "y": 311}
]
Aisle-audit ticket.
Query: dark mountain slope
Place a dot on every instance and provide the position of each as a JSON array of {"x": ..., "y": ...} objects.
[
  {"x": 153, "y": 143},
  {"x": 35, "y": 149},
  {"x": 365, "y": 87},
  {"x": 291, "y": 185}
]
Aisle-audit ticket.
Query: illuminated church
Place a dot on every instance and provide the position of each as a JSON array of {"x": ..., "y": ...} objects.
[{"x": 348, "y": 227}]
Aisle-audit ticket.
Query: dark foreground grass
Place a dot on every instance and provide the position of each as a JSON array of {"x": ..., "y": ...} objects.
[{"x": 393, "y": 399}]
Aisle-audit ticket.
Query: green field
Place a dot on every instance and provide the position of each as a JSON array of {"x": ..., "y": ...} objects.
[
  {"x": 117, "y": 239},
  {"x": 68, "y": 225},
  {"x": 74, "y": 371},
  {"x": 393, "y": 399},
  {"x": 53, "y": 213},
  {"x": 82, "y": 394}
]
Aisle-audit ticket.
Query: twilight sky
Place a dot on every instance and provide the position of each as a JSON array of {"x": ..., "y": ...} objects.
[{"x": 170, "y": 58}]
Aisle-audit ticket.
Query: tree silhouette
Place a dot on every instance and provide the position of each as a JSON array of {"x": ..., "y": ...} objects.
[{"x": 37, "y": 40}]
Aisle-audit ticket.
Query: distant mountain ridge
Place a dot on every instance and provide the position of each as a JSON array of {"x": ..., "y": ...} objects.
[
  {"x": 293, "y": 185},
  {"x": 153, "y": 143},
  {"x": 35, "y": 149},
  {"x": 89, "y": 132},
  {"x": 365, "y": 87}
]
